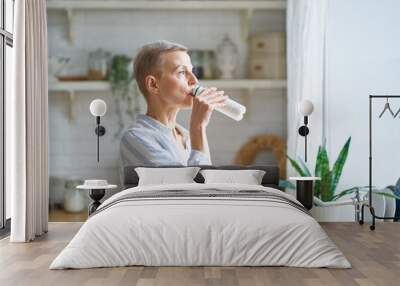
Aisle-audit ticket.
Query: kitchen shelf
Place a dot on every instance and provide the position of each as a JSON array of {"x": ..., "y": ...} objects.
[
  {"x": 246, "y": 8},
  {"x": 71, "y": 88},
  {"x": 79, "y": 86},
  {"x": 248, "y": 84},
  {"x": 165, "y": 5}
]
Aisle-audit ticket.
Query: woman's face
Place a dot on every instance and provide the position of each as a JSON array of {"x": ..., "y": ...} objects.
[{"x": 177, "y": 80}]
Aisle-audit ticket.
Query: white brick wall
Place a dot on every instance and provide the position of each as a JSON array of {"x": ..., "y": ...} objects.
[{"x": 73, "y": 143}]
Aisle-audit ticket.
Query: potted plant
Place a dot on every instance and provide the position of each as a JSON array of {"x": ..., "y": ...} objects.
[
  {"x": 326, "y": 188},
  {"x": 124, "y": 90}
]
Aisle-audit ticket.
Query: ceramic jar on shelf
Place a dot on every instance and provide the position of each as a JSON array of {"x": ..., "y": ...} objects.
[
  {"x": 203, "y": 62},
  {"x": 196, "y": 59},
  {"x": 227, "y": 58},
  {"x": 99, "y": 62},
  {"x": 55, "y": 65},
  {"x": 208, "y": 64}
]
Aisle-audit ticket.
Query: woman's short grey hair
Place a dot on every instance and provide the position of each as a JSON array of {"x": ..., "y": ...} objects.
[{"x": 148, "y": 61}]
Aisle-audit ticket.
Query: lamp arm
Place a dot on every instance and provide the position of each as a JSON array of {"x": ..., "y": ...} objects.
[
  {"x": 305, "y": 138},
  {"x": 303, "y": 131},
  {"x": 98, "y": 138}
]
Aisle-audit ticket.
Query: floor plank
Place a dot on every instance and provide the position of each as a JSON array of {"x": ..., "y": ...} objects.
[
  {"x": 60, "y": 215},
  {"x": 374, "y": 255}
]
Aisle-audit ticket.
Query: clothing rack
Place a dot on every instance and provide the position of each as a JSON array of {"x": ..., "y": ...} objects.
[{"x": 369, "y": 205}]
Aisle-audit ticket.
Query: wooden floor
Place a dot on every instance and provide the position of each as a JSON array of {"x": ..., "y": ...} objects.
[
  {"x": 60, "y": 215},
  {"x": 374, "y": 255}
]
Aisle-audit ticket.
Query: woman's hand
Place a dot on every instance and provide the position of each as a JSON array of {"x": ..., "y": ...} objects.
[{"x": 204, "y": 104}]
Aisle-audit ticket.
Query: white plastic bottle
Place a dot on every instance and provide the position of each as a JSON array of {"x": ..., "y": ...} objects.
[{"x": 231, "y": 108}]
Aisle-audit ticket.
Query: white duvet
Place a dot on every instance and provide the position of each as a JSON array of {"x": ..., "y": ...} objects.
[{"x": 200, "y": 231}]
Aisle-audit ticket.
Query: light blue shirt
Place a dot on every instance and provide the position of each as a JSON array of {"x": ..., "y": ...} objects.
[{"x": 149, "y": 142}]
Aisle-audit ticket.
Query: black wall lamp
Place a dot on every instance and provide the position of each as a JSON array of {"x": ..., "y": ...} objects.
[
  {"x": 306, "y": 107},
  {"x": 98, "y": 108}
]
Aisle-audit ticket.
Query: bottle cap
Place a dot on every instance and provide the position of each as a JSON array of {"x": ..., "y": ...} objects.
[{"x": 197, "y": 89}]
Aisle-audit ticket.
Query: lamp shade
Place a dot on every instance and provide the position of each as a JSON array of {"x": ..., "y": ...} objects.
[
  {"x": 98, "y": 107},
  {"x": 306, "y": 107}
]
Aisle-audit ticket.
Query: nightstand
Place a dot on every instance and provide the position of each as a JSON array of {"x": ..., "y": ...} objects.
[
  {"x": 97, "y": 190},
  {"x": 304, "y": 190}
]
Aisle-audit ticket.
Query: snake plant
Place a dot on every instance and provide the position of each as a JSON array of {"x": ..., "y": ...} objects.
[{"x": 325, "y": 189}]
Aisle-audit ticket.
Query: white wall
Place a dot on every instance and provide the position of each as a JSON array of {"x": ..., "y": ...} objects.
[
  {"x": 363, "y": 58},
  {"x": 72, "y": 143},
  {"x": 363, "y": 47}
]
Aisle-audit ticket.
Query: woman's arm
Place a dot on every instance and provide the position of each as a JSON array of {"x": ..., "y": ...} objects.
[
  {"x": 203, "y": 105},
  {"x": 199, "y": 141}
]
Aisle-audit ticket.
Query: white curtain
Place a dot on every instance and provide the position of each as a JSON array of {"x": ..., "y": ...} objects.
[
  {"x": 306, "y": 34},
  {"x": 26, "y": 124}
]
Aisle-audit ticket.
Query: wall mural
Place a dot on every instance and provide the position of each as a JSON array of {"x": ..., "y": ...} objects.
[{"x": 242, "y": 62}]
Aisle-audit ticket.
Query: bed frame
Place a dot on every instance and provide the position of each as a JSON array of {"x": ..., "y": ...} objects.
[{"x": 270, "y": 179}]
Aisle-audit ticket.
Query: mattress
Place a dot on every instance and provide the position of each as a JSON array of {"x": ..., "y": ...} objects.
[{"x": 201, "y": 225}]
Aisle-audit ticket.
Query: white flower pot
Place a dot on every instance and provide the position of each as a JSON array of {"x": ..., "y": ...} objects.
[
  {"x": 75, "y": 201},
  {"x": 333, "y": 214}
]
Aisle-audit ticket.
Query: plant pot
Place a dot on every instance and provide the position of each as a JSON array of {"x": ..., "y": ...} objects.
[
  {"x": 75, "y": 201},
  {"x": 333, "y": 214}
]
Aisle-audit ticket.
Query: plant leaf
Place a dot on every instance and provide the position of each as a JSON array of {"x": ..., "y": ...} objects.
[
  {"x": 353, "y": 190},
  {"x": 304, "y": 167},
  {"x": 322, "y": 171},
  {"x": 346, "y": 192},
  {"x": 388, "y": 195},
  {"x": 326, "y": 180},
  {"x": 317, "y": 173},
  {"x": 318, "y": 162},
  {"x": 286, "y": 184},
  {"x": 339, "y": 164},
  {"x": 296, "y": 166}
]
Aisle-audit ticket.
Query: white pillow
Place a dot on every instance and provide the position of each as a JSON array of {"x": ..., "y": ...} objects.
[
  {"x": 248, "y": 177},
  {"x": 163, "y": 176}
]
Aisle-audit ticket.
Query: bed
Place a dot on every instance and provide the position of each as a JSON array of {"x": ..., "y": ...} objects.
[{"x": 201, "y": 224}]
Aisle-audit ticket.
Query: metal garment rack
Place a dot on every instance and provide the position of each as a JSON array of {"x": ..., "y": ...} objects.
[{"x": 371, "y": 208}]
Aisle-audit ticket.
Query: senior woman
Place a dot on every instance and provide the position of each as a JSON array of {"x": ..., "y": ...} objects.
[{"x": 163, "y": 72}]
